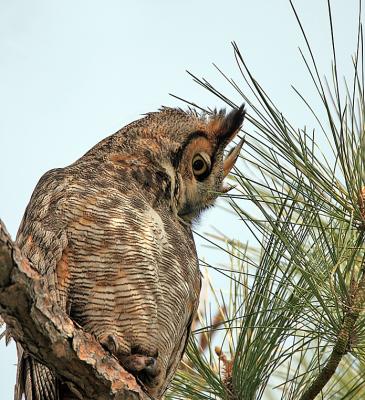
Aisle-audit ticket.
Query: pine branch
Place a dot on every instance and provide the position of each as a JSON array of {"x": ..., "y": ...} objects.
[
  {"x": 342, "y": 346},
  {"x": 47, "y": 333}
]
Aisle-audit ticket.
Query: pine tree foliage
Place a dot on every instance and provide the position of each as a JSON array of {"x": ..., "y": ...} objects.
[{"x": 293, "y": 324}]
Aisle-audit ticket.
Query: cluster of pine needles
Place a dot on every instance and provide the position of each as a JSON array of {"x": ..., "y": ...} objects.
[{"x": 292, "y": 324}]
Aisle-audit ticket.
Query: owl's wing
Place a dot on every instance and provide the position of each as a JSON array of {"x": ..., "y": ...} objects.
[
  {"x": 178, "y": 353},
  {"x": 180, "y": 347},
  {"x": 42, "y": 235},
  {"x": 42, "y": 239}
]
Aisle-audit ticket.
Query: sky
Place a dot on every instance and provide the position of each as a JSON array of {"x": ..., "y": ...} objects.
[{"x": 73, "y": 72}]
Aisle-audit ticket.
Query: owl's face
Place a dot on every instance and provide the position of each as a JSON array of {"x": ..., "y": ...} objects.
[{"x": 200, "y": 164}]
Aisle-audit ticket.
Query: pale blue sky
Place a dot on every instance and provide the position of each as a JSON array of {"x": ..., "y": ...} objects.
[{"x": 73, "y": 72}]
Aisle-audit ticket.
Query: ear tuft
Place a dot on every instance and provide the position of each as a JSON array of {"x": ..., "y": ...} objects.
[{"x": 232, "y": 123}]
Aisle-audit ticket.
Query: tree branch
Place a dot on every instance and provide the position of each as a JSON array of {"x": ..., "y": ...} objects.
[{"x": 48, "y": 334}]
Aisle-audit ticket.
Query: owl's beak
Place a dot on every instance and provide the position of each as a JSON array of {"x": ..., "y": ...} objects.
[{"x": 231, "y": 158}]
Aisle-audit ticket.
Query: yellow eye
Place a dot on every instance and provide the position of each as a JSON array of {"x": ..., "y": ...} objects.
[{"x": 201, "y": 165}]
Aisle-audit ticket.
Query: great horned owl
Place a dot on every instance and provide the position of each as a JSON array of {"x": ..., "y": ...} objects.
[{"x": 111, "y": 234}]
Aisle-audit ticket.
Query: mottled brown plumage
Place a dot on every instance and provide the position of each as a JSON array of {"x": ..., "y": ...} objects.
[{"x": 111, "y": 234}]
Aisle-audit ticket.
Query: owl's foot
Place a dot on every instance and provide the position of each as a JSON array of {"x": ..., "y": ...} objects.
[
  {"x": 138, "y": 363},
  {"x": 144, "y": 367},
  {"x": 146, "y": 370}
]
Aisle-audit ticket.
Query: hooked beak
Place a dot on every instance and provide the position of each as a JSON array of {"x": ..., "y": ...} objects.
[{"x": 231, "y": 158}]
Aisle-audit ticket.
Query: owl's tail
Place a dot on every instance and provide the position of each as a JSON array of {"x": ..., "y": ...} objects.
[{"x": 33, "y": 379}]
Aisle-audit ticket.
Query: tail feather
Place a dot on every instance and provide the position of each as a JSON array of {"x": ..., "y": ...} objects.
[{"x": 34, "y": 380}]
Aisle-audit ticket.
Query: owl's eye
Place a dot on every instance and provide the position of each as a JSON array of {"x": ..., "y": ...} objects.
[{"x": 201, "y": 165}]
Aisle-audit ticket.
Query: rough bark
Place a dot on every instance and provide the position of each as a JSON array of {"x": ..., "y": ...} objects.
[{"x": 46, "y": 332}]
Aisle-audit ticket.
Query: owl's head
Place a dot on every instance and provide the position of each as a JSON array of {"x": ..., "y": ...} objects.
[
  {"x": 192, "y": 154},
  {"x": 175, "y": 156}
]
